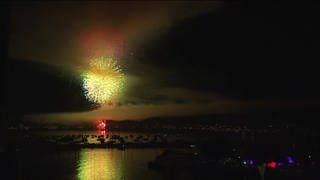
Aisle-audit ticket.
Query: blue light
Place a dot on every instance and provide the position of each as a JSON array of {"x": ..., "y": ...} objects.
[
  {"x": 290, "y": 160},
  {"x": 280, "y": 164}
]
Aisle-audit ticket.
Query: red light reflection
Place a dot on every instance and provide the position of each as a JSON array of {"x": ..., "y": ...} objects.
[{"x": 102, "y": 133}]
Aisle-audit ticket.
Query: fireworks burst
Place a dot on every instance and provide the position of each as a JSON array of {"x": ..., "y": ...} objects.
[{"x": 103, "y": 81}]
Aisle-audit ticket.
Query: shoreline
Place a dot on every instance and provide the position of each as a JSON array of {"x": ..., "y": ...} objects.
[{"x": 100, "y": 146}]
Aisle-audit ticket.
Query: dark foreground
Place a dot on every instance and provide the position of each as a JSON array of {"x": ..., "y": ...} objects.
[{"x": 225, "y": 155}]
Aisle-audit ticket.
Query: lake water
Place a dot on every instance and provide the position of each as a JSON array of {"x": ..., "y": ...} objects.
[{"x": 86, "y": 164}]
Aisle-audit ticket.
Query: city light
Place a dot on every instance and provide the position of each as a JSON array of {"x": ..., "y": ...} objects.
[
  {"x": 290, "y": 160},
  {"x": 250, "y": 162},
  {"x": 272, "y": 164},
  {"x": 280, "y": 164}
]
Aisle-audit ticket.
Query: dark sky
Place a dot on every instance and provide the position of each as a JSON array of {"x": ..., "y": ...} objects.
[
  {"x": 179, "y": 58},
  {"x": 250, "y": 52}
]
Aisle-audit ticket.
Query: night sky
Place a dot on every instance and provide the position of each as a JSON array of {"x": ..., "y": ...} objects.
[{"x": 179, "y": 58}]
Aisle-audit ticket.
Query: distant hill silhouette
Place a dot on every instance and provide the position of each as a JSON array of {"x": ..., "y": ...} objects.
[{"x": 302, "y": 117}]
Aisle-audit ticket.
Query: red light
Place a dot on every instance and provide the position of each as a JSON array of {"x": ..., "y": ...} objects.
[
  {"x": 272, "y": 164},
  {"x": 101, "y": 125},
  {"x": 102, "y": 133}
]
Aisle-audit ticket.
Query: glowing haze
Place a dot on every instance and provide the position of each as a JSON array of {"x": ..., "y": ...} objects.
[{"x": 180, "y": 58}]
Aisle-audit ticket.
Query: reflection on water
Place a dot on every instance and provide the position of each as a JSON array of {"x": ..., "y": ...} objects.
[
  {"x": 115, "y": 164},
  {"x": 99, "y": 164}
]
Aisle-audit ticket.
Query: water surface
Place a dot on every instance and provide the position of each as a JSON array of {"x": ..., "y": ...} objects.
[{"x": 87, "y": 164}]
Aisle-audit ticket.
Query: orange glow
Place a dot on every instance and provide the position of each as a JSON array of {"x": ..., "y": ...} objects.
[
  {"x": 101, "y": 125},
  {"x": 101, "y": 41},
  {"x": 102, "y": 133}
]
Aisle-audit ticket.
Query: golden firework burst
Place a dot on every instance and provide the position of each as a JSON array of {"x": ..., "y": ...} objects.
[{"x": 103, "y": 81}]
